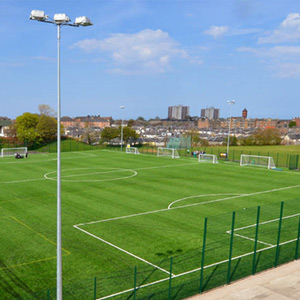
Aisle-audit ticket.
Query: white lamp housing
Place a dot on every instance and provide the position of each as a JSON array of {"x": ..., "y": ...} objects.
[
  {"x": 38, "y": 15},
  {"x": 61, "y": 18},
  {"x": 83, "y": 21}
]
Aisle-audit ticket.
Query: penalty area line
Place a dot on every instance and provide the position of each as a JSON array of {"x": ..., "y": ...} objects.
[{"x": 121, "y": 249}]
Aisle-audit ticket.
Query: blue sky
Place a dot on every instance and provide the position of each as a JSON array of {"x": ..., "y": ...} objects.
[{"x": 151, "y": 54}]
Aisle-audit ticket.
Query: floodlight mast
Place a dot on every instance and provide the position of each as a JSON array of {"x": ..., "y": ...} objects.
[
  {"x": 230, "y": 102},
  {"x": 122, "y": 107},
  {"x": 59, "y": 20}
]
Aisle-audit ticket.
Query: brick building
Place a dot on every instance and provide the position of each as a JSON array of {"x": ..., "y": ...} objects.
[{"x": 88, "y": 121}]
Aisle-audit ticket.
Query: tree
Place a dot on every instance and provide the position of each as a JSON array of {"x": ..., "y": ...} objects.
[
  {"x": 128, "y": 134},
  {"x": 46, "y": 128},
  {"x": 292, "y": 124},
  {"x": 269, "y": 136},
  {"x": 130, "y": 122},
  {"x": 89, "y": 136},
  {"x": 26, "y": 127},
  {"x": 233, "y": 141},
  {"x": 46, "y": 110},
  {"x": 109, "y": 133},
  {"x": 248, "y": 141}
]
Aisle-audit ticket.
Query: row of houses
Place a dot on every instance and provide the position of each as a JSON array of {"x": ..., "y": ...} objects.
[
  {"x": 157, "y": 132},
  {"x": 243, "y": 123}
]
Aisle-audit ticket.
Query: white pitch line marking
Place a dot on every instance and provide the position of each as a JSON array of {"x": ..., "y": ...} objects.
[
  {"x": 254, "y": 225},
  {"x": 250, "y": 239},
  {"x": 122, "y": 250},
  {"x": 189, "y": 205},
  {"x": 200, "y": 196},
  {"x": 266, "y": 222}
]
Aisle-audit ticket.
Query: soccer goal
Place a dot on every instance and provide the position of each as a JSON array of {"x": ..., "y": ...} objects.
[
  {"x": 132, "y": 150},
  {"x": 12, "y": 151},
  {"x": 210, "y": 158},
  {"x": 170, "y": 152},
  {"x": 257, "y": 160}
]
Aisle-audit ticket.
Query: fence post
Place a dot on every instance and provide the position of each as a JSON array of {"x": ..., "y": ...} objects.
[
  {"x": 230, "y": 249},
  {"x": 170, "y": 278},
  {"x": 203, "y": 255},
  {"x": 297, "y": 241},
  {"x": 255, "y": 243},
  {"x": 278, "y": 236},
  {"x": 134, "y": 284},
  {"x": 48, "y": 294},
  {"x": 95, "y": 288}
]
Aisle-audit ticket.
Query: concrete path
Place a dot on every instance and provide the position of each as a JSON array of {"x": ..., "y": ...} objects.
[{"x": 282, "y": 283}]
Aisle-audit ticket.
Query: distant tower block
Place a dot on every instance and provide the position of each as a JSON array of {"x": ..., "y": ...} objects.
[{"x": 245, "y": 113}]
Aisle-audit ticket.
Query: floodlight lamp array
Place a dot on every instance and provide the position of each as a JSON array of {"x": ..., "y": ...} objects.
[{"x": 59, "y": 19}]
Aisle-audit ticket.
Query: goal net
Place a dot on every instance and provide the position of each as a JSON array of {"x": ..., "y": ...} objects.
[
  {"x": 132, "y": 150},
  {"x": 12, "y": 151},
  {"x": 257, "y": 160},
  {"x": 210, "y": 158},
  {"x": 170, "y": 152}
]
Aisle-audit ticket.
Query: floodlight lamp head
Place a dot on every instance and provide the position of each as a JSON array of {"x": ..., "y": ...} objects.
[
  {"x": 61, "y": 18},
  {"x": 231, "y": 101},
  {"x": 38, "y": 15},
  {"x": 83, "y": 21}
]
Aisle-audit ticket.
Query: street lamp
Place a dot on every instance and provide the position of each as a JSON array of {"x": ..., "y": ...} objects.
[
  {"x": 230, "y": 102},
  {"x": 122, "y": 107},
  {"x": 59, "y": 20}
]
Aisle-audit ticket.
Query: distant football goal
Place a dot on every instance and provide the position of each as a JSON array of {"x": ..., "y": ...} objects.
[
  {"x": 169, "y": 152},
  {"x": 12, "y": 151},
  {"x": 257, "y": 161},
  {"x": 132, "y": 150},
  {"x": 209, "y": 158}
]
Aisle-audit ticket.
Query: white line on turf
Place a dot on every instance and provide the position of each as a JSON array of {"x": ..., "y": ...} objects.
[
  {"x": 200, "y": 196},
  {"x": 265, "y": 222},
  {"x": 189, "y": 205},
  {"x": 192, "y": 271},
  {"x": 112, "y": 170},
  {"x": 24, "y": 180},
  {"x": 250, "y": 239},
  {"x": 254, "y": 225},
  {"x": 123, "y": 250}
]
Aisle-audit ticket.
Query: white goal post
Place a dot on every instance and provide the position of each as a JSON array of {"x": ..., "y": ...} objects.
[
  {"x": 210, "y": 158},
  {"x": 12, "y": 151},
  {"x": 132, "y": 150},
  {"x": 169, "y": 152},
  {"x": 257, "y": 160}
]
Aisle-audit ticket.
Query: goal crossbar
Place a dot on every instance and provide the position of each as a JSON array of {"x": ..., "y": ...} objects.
[
  {"x": 210, "y": 158},
  {"x": 257, "y": 160},
  {"x": 132, "y": 150},
  {"x": 12, "y": 151},
  {"x": 169, "y": 152}
]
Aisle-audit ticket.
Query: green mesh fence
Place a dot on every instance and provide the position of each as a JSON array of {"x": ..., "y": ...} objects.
[{"x": 235, "y": 245}]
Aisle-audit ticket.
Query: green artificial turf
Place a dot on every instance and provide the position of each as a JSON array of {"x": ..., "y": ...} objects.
[{"x": 123, "y": 210}]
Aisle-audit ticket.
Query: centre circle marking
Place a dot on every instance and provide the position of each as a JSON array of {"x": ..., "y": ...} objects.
[{"x": 93, "y": 172}]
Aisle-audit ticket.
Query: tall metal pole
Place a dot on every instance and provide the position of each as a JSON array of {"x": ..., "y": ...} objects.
[
  {"x": 58, "y": 250},
  {"x": 122, "y": 135},
  {"x": 228, "y": 139},
  {"x": 122, "y": 107}
]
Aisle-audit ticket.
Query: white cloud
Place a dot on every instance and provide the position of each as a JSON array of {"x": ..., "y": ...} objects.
[
  {"x": 282, "y": 60},
  {"x": 280, "y": 52},
  {"x": 217, "y": 31},
  {"x": 142, "y": 52},
  {"x": 288, "y": 31},
  {"x": 288, "y": 70}
]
